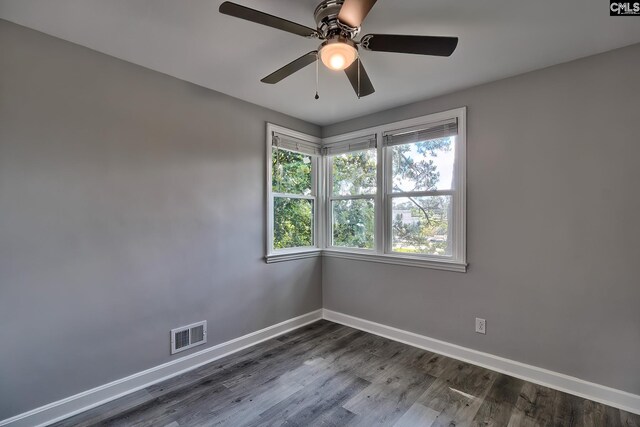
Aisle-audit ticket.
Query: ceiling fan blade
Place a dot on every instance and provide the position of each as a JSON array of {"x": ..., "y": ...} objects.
[
  {"x": 291, "y": 68},
  {"x": 365, "y": 87},
  {"x": 353, "y": 12},
  {"x": 420, "y": 45},
  {"x": 242, "y": 12}
]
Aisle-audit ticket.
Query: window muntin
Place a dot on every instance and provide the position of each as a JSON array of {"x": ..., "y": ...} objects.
[{"x": 353, "y": 188}]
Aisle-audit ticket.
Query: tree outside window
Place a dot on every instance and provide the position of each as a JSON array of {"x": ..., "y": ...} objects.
[{"x": 293, "y": 202}]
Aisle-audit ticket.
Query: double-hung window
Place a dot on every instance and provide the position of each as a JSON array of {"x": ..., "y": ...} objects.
[
  {"x": 292, "y": 193},
  {"x": 423, "y": 194},
  {"x": 352, "y": 189},
  {"x": 393, "y": 193}
]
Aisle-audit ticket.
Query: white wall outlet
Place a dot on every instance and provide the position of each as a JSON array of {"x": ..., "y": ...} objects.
[{"x": 481, "y": 326}]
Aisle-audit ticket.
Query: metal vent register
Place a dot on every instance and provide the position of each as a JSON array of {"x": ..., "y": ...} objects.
[{"x": 185, "y": 337}]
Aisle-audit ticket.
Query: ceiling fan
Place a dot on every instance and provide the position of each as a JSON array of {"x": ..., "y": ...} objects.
[{"x": 338, "y": 23}]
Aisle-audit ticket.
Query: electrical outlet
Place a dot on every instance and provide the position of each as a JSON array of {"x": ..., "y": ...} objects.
[{"x": 481, "y": 326}]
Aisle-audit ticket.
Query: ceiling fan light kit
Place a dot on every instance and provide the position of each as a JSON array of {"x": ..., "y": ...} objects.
[
  {"x": 338, "y": 23},
  {"x": 338, "y": 53}
]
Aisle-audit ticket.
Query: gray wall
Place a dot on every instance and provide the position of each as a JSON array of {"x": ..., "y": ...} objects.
[
  {"x": 130, "y": 203},
  {"x": 553, "y": 232}
]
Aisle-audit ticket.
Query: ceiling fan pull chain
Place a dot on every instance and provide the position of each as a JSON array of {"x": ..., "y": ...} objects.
[
  {"x": 317, "y": 96},
  {"x": 358, "y": 76}
]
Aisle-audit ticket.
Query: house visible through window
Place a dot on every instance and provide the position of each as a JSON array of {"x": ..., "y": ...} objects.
[{"x": 421, "y": 191}]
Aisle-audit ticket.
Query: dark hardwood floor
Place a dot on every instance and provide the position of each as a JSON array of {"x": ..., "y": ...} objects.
[{"x": 327, "y": 374}]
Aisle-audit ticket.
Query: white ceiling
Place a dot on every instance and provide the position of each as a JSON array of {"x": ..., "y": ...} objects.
[{"x": 190, "y": 40}]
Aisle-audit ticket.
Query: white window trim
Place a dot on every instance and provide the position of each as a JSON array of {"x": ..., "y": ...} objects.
[
  {"x": 317, "y": 195},
  {"x": 381, "y": 253},
  {"x": 329, "y": 198}
]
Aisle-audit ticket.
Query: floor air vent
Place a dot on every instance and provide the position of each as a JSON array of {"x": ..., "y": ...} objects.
[{"x": 188, "y": 336}]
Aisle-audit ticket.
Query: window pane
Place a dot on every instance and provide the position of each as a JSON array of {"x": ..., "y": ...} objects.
[
  {"x": 423, "y": 166},
  {"x": 292, "y": 222},
  {"x": 353, "y": 223},
  {"x": 290, "y": 172},
  {"x": 420, "y": 225},
  {"x": 354, "y": 173}
]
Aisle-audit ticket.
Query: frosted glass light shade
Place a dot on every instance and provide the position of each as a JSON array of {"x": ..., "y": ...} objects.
[{"x": 337, "y": 55}]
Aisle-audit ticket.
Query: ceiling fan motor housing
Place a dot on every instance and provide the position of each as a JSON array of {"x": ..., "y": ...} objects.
[{"x": 326, "y": 15}]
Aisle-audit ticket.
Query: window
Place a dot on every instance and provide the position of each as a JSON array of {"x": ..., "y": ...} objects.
[
  {"x": 352, "y": 192},
  {"x": 391, "y": 194},
  {"x": 421, "y": 189},
  {"x": 292, "y": 190},
  {"x": 411, "y": 210}
]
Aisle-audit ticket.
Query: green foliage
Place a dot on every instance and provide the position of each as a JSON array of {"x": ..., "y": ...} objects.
[
  {"x": 426, "y": 228},
  {"x": 354, "y": 220},
  {"x": 354, "y": 173},
  {"x": 292, "y": 223},
  {"x": 354, "y": 223},
  {"x": 292, "y": 217},
  {"x": 413, "y": 165},
  {"x": 290, "y": 172}
]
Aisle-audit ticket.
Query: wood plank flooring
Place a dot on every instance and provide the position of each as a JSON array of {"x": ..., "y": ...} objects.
[{"x": 327, "y": 374}]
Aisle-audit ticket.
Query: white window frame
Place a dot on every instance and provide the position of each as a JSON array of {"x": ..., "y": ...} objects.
[
  {"x": 322, "y": 186},
  {"x": 276, "y": 255},
  {"x": 329, "y": 197},
  {"x": 383, "y": 253}
]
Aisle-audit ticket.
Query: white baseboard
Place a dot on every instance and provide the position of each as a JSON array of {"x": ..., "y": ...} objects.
[
  {"x": 596, "y": 392},
  {"x": 86, "y": 400}
]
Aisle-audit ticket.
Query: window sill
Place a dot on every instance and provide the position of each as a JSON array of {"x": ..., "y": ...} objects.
[
  {"x": 370, "y": 257},
  {"x": 399, "y": 260},
  {"x": 289, "y": 256}
]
